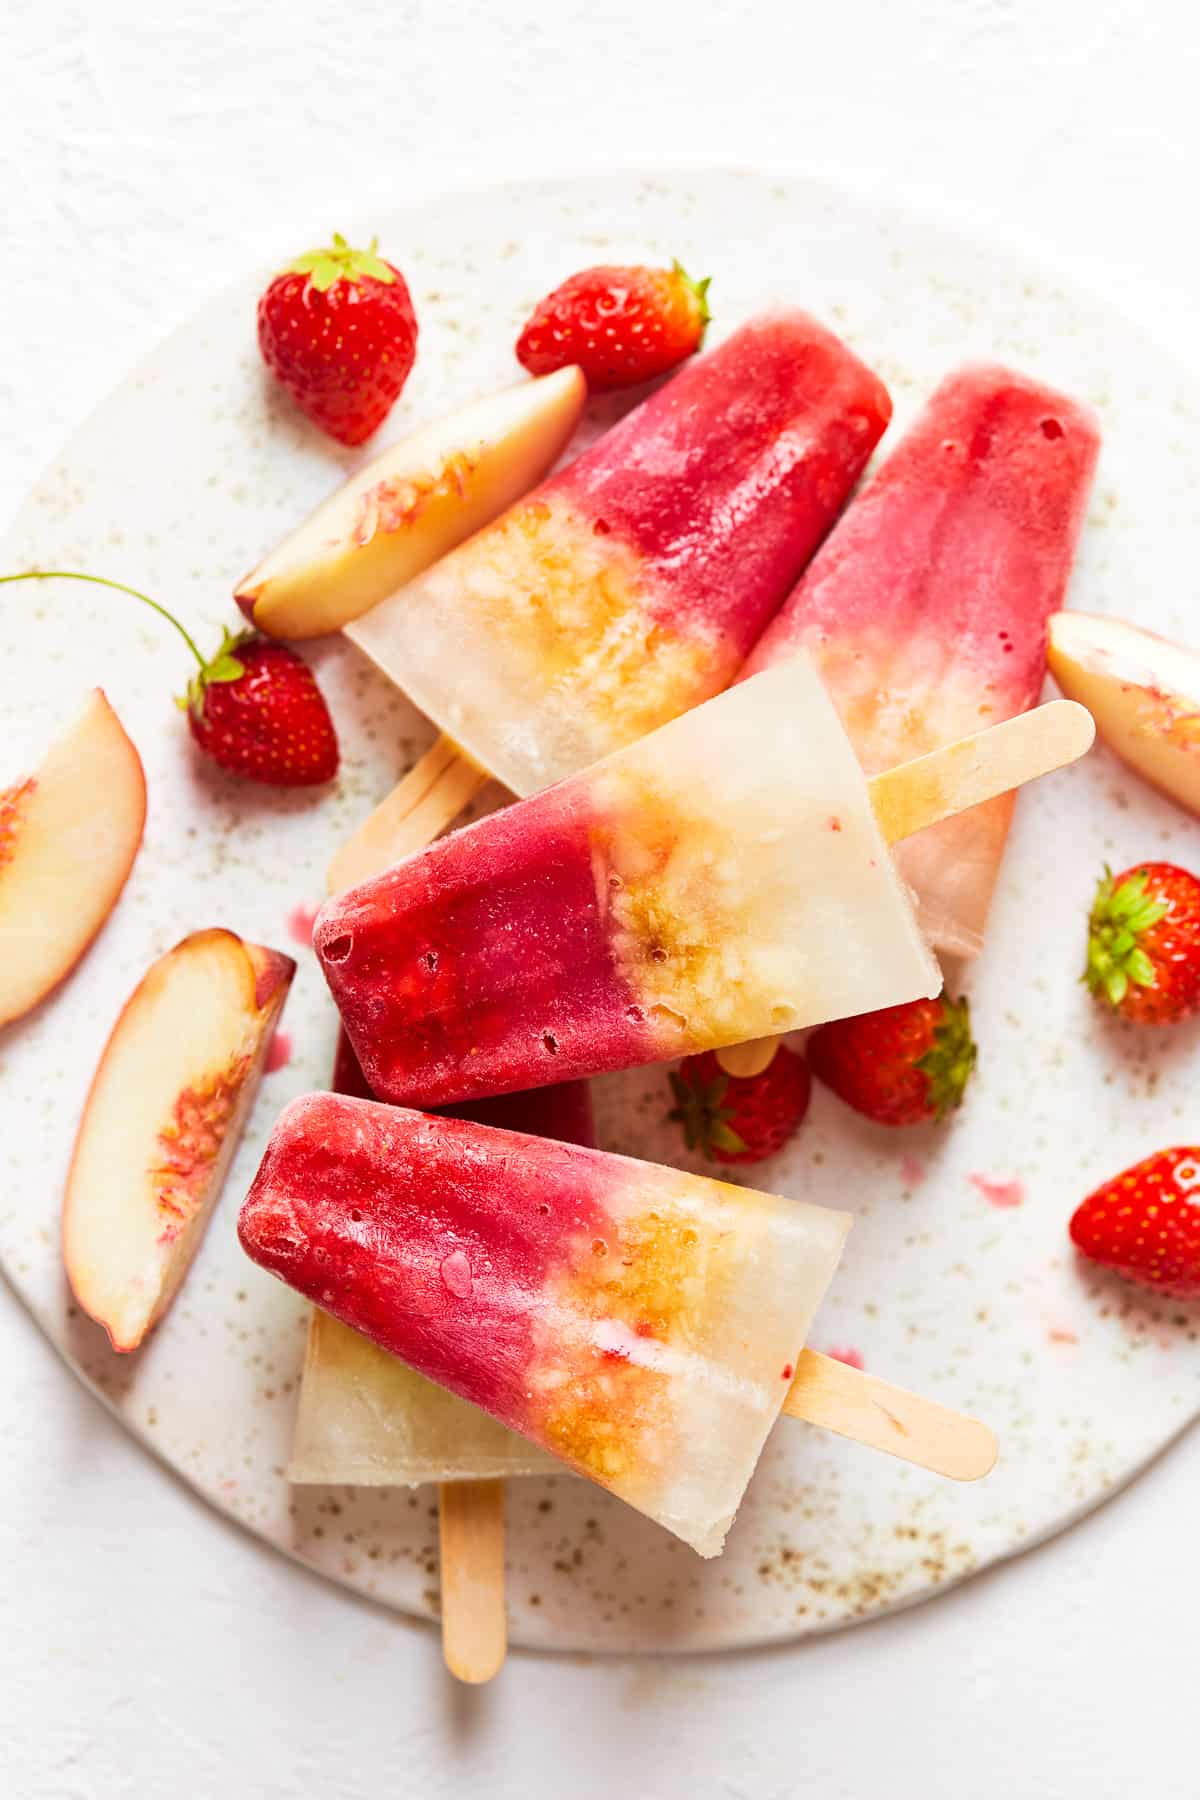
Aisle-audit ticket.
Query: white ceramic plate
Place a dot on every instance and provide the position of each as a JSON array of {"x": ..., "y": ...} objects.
[{"x": 959, "y": 1279}]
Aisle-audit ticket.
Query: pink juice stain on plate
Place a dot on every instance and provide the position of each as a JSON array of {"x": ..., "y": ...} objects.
[
  {"x": 846, "y": 1353},
  {"x": 280, "y": 1053},
  {"x": 999, "y": 1193},
  {"x": 300, "y": 924},
  {"x": 1062, "y": 1334}
]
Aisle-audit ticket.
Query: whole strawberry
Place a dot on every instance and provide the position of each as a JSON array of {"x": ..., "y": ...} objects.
[
  {"x": 1143, "y": 955},
  {"x": 254, "y": 707},
  {"x": 736, "y": 1119},
  {"x": 258, "y": 712},
  {"x": 621, "y": 325},
  {"x": 339, "y": 330},
  {"x": 1145, "y": 1223},
  {"x": 902, "y": 1065}
]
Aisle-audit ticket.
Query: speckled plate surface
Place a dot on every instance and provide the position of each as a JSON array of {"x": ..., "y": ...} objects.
[{"x": 958, "y": 1279}]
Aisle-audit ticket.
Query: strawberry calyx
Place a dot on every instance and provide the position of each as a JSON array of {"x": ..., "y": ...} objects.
[
  {"x": 340, "y": 261},
  {"x": 224, "y": 666},
  {"x": 697, "y": 289},
  {"x": 1121, "y": 913},
  {"x": 705, "y": 1119},
  {"x": 948, "y": 1062}
]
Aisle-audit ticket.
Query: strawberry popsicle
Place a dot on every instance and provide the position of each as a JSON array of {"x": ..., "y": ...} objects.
[
  {"x": 723, "y": 879},
  {"x": 632, "y": 586},
  {"x": 367, "y": 1420},
  {"x": 925, "y": 612},
  {"x": 639, "y": 1323}
]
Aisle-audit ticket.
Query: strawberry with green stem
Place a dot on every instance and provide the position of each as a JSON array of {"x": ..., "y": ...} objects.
[
  {"x": 621, "y": 325},
  {"x": 1143, "y": 955},
  {"x": 254, "y": 707},
  {"x": 740, "y": 1119},
  {"x": 338, "y": 329},
  {"x": 902, "y": 1065}
]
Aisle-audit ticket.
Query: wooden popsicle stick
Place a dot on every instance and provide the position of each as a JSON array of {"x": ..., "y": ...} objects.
[
  {"x": 417, "y": 810},
  {"x": 470, "y": 1513},
  {"x": 917, "y": 794},
  {"x": 474, "y": 1624},
  {"x": 873, "y": 1412},
  {"x": 744, "y": 1061}
]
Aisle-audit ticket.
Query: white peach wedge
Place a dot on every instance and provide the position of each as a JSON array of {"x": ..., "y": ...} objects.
[
  {"x": 1143, "y": 692},
  {"x": 410, "y": 505},
  {"x": 68, "y": 837},
  {"x": 162, "y": 1121}
]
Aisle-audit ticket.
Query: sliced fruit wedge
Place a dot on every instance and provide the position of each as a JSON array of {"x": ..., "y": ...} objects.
[
  {"x": 1143, "y": 692},
  {"x": 162, "y": 1120},
  {"x": 410, "y": 505},
  {"x": 68, "y": 837}
]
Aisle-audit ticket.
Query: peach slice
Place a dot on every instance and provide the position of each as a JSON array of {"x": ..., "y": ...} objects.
[
  {"x": 411, "y": 505},
  {"x": 68, "y": 837},
  {"x": 162, "y": 1120},
  {"x": 1143, "y": 692}
]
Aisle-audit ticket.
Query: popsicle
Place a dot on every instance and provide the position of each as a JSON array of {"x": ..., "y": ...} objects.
[
  {"x": 641, "y": 1324},
  {"x": 726, "y": 878},
  {"x": 926, "y": 610},
  {"x": 632, "y": 585}
]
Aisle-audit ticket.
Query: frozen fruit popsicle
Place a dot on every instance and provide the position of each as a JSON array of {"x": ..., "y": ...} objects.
[
  {"x": 926, "y": 609},
  {"x": 632, "y": 585},
  {"x": 723, "y": 879},
  {"x": 639, "y": 1323},
  {"x": 366, "y": 1419}
]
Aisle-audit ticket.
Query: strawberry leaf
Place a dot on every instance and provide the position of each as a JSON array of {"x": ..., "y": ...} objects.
[
  {"x": 341, "y": 262},
  {"x": 698, "y": 1108},
  {"x": 948, "y": 1063},
  {"x": 1140, "y": 969},
  {"x": 1120, "y": 918},
  {"x": 325, "y": 271},
  {"x": 698, "y": 290},
  {"x": 224, "y": 668}
]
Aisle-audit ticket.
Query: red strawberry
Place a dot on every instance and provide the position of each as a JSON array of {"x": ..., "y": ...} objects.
[
  {"x": 736, "y": 1119},
  {"x": 339, "y": 330},
  {"x": 254, "y": 707},
  {"x": 621, "y": 325},
  {"x": 256, "y": 710},
  {"x": 899, "y": 1066},
  {"x": 1143, "y": 953},
  {"x": 1145, "y": 1224}
]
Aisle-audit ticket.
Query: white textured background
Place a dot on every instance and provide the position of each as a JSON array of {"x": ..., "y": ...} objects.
[{"x": 146, "y": 154}]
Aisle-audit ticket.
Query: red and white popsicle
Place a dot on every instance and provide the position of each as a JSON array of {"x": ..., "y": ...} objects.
[
  {"x": 640, "y": 1323},
  {"x": 925, "y": 612},
  {"x": 722, "y": 879}
]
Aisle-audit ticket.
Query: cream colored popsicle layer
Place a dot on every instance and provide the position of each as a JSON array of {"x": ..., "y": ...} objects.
[
  {"x": 366, "y": 1420},
  {"x": 724, "y": 879}
]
